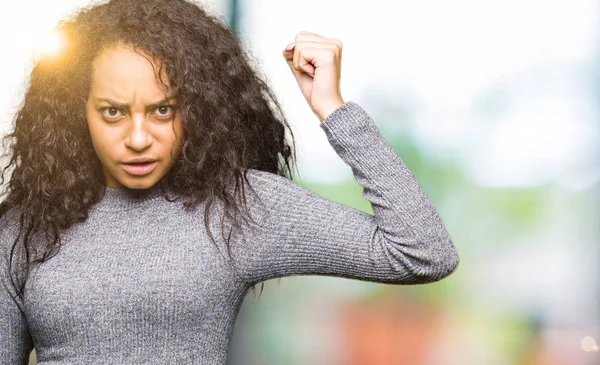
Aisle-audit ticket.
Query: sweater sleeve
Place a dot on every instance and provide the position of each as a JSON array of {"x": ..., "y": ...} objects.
[
  {"x": 298, "y": 232},
  {"x": 15, "y": 341}
]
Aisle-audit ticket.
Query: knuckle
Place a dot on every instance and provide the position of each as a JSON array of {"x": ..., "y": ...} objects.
[{"x": 300, "y": 35}]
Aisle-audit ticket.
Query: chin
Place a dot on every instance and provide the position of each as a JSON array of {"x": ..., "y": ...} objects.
[{"x": 139, "y": 184}]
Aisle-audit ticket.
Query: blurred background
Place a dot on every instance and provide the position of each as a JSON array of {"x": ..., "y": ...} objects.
[{"x": 494, "y": 106}]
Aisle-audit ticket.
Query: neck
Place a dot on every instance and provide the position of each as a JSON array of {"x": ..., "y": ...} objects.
[{"x": 124, "y": 198}]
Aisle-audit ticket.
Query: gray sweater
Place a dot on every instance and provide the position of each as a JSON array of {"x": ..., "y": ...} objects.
[{"x": 139, "y": 282}]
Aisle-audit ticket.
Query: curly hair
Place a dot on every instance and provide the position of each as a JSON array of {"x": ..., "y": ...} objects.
[{"x": 231, "y": 119}]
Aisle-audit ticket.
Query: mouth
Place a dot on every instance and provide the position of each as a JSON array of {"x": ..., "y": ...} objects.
[{"x": 139, "y": 168}]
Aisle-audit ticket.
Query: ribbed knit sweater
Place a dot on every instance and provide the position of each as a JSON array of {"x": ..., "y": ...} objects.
[{"x": 140, "y": 282}]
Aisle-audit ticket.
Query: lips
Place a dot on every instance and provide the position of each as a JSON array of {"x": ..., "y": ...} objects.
[
  {"x": 140, "y": 160},
  {"x": 139, "y": 168}
]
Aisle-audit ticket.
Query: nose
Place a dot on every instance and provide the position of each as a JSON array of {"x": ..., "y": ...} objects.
[{"x": 139, "y": 138}]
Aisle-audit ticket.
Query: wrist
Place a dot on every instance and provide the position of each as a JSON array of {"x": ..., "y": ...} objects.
[{"x": 324, "y": 111}]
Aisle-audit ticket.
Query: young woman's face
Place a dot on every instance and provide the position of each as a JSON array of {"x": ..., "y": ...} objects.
[{"x": 131, "y": 121}]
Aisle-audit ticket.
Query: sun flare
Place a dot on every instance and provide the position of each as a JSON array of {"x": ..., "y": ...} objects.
[{"x": 50, "y": 44}]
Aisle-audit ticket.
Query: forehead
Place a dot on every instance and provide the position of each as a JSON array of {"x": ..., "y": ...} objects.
[{"x": 122, "y": 72}]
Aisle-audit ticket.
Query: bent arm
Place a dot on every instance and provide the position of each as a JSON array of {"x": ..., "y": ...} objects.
[{"x": 302, "y": 233}]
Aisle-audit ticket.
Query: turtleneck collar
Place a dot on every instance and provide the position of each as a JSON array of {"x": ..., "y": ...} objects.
[{"x": 118, "y": 199}]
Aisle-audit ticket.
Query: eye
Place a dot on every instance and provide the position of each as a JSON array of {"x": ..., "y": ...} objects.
[
  {"x": 112, "y": 112},
  {"x": 165, "y": 111}
]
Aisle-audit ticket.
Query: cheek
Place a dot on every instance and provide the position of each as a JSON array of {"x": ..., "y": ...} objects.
[
  {"x": 175, "y": 147},
  {"x": 100, "y": 139},
  {"x": 93, "y": 127},
  {"x": 177, "y": 136},
  {"x": 97, "y": 134}
]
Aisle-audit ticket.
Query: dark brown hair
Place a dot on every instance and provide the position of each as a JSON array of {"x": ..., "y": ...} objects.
[{"x": 230, "y": 117}]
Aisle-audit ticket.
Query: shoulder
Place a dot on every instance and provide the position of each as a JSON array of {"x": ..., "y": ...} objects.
[
  {"x": 9, "y": 229},
  {"x": 262, "y": 175},
  {"x": 274, "y": 186},
  {"x": 9, "y": 221},
  {"x": 282, "y": 195}
]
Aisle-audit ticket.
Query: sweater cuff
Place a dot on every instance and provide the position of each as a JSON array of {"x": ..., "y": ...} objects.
[{"x": 350, "y": 123}]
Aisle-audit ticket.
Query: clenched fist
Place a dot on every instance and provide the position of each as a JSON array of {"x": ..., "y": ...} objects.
[{"x": 315, "y": 62}]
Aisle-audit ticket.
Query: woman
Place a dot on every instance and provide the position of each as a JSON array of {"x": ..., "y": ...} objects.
[{"x": 146, "y": 134}]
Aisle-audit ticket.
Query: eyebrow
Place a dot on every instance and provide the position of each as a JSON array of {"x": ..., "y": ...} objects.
[{"x": 126, "y": 106}]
